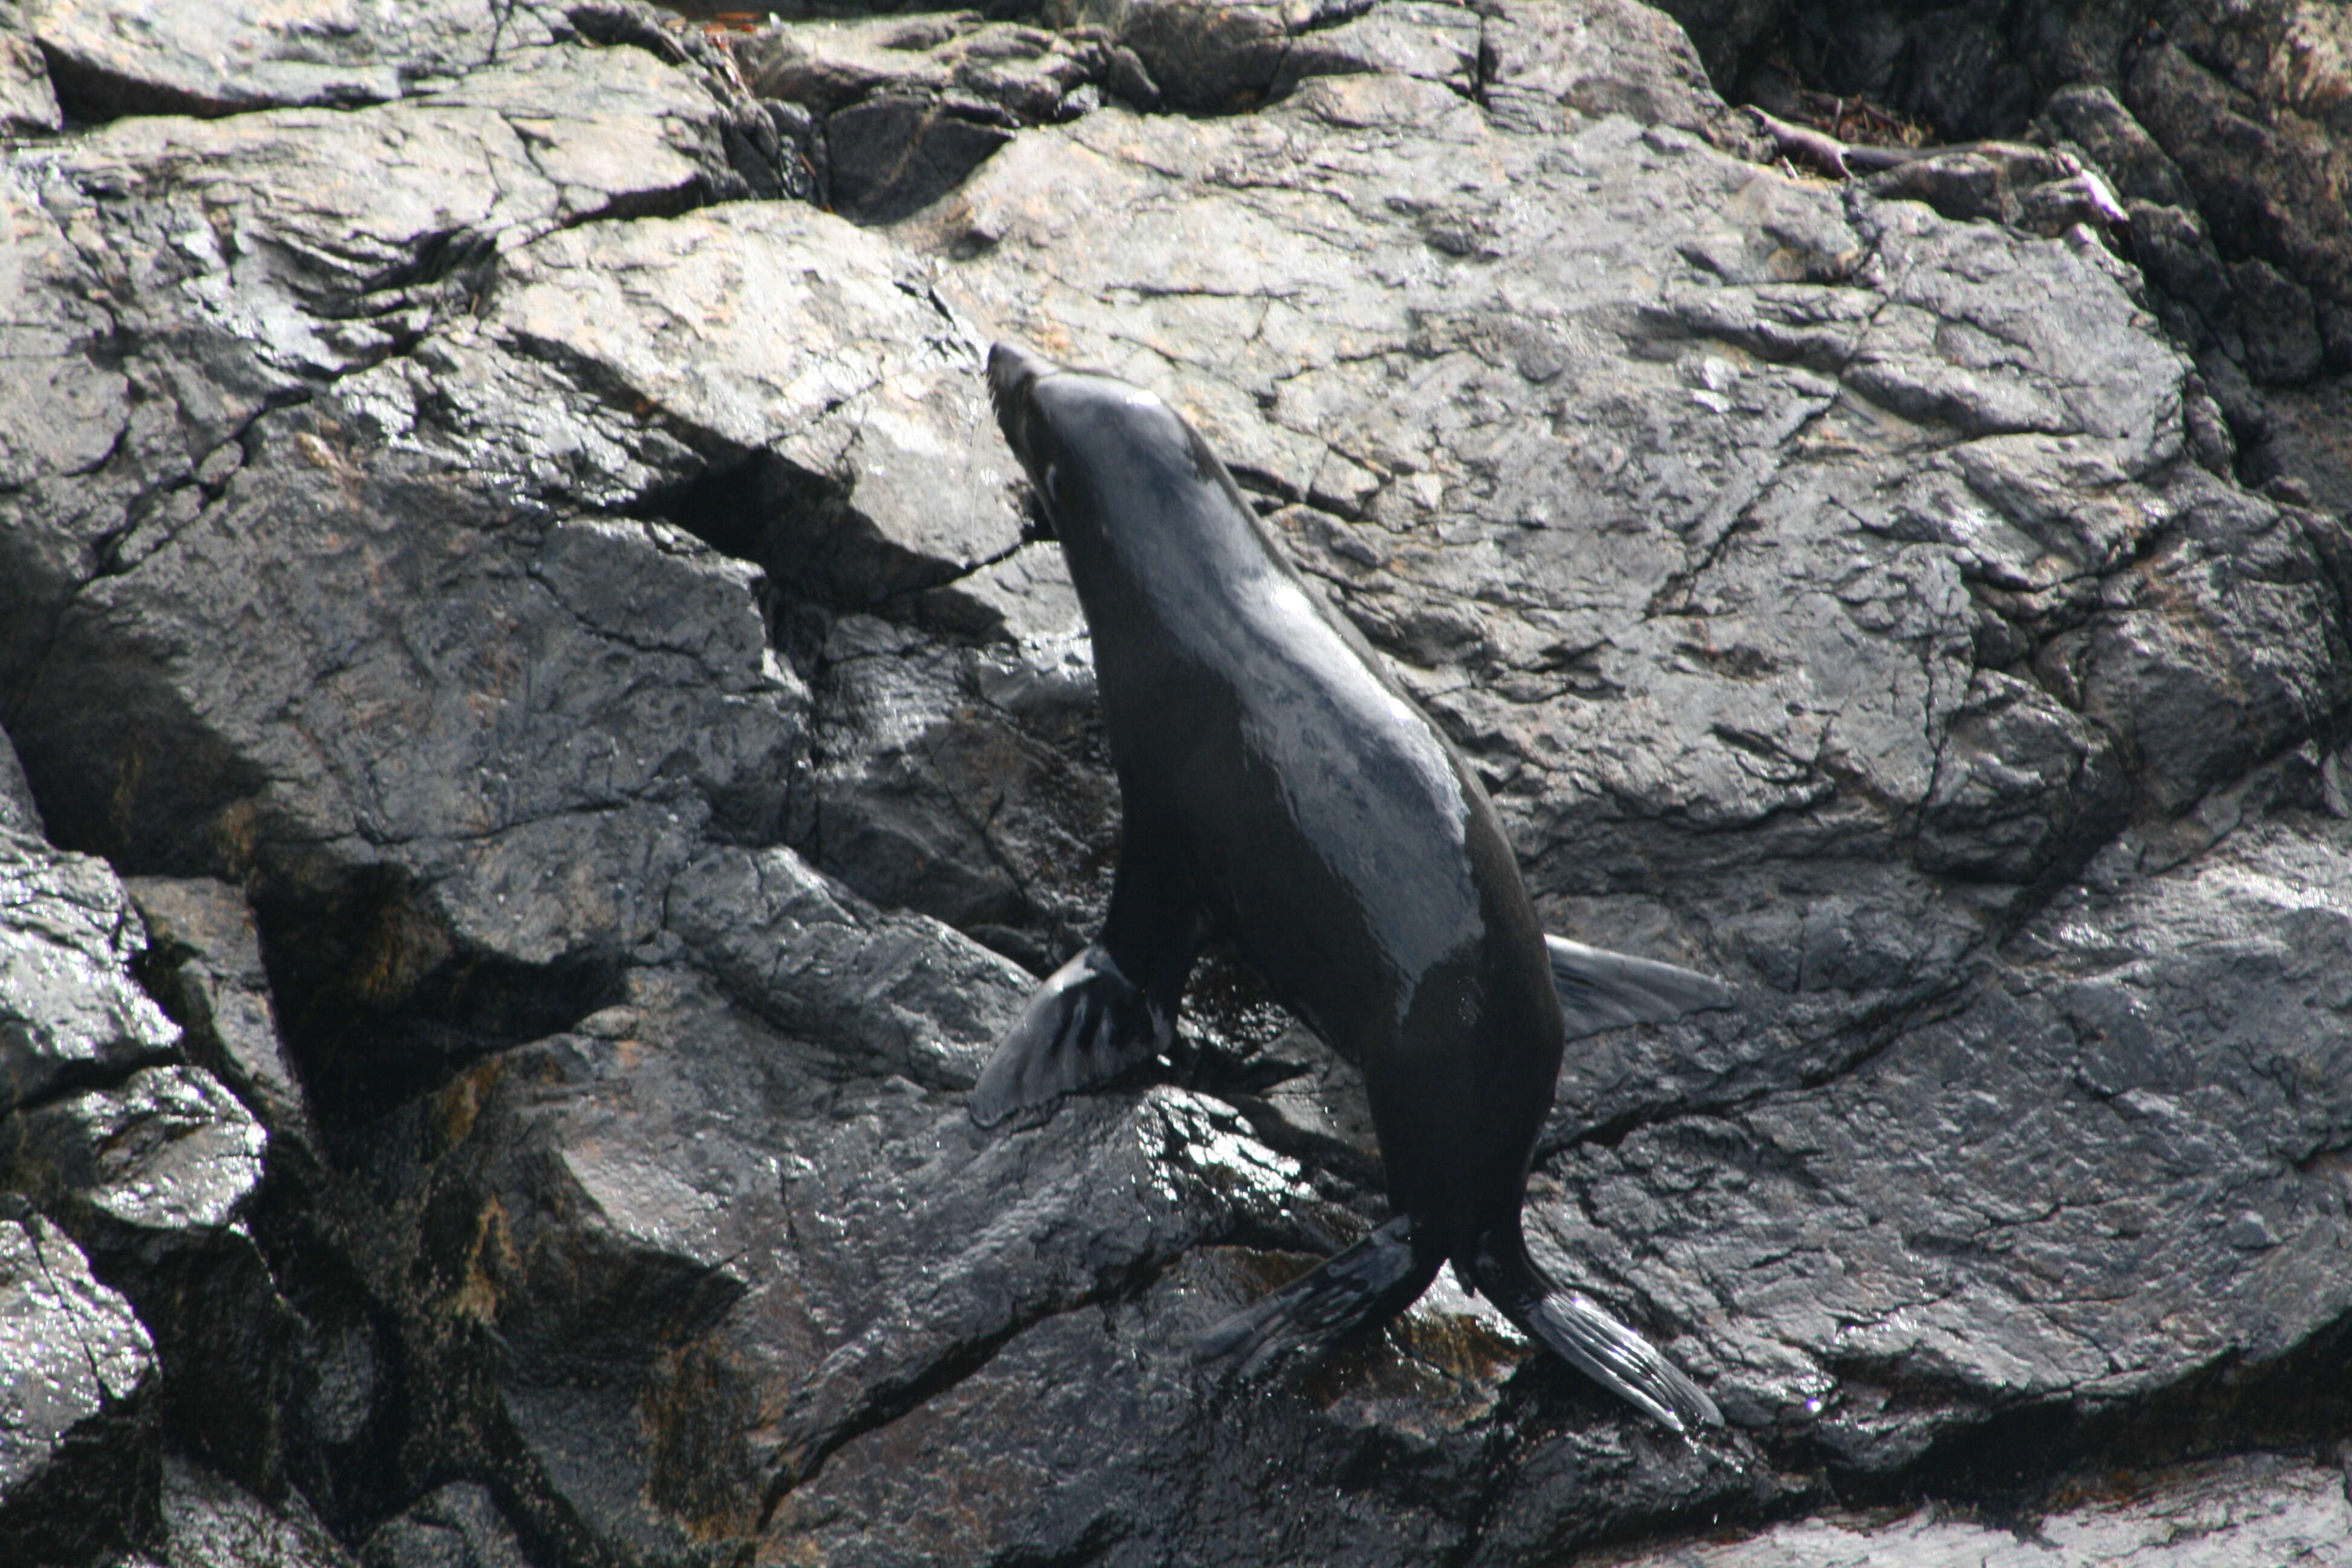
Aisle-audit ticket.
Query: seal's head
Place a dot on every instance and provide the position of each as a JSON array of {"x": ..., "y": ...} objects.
[
  {"x": 1013, "y": 373},
  {"x": 1086, "y": 438}
]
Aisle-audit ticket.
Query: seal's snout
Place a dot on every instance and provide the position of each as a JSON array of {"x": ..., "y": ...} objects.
[{"x": 1012, "y": 371}]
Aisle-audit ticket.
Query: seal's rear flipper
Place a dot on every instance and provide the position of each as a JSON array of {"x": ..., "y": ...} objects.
[
  {"x": 1363, "y": 1286},
  {"x": 1596, "y": 1343},
  {"x": 1085, "y": 1025},
  {"x": 1601, "y": 990}
]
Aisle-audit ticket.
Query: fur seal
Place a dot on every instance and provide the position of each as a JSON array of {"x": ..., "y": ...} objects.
[{"x": 1280, "y": 788}]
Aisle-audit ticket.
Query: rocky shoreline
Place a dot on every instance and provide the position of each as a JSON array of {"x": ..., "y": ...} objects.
[{"x": 552, "y": 742}]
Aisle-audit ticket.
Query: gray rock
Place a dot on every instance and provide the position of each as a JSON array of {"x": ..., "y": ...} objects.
[
  {"x": 2257, "y": 1509},
  {"x": 77, "y": 1437},
  {"x": 69, "y": 1012},
  {"x": 1610, "y": 57},
  {"x": 2216, "y": 124},
  {"x": 112, "y": 58},
  {"x": 1029, "y": 73},
  {"x": 848, "y": 458},
  {"x": 1404, "y": 38},
  {"x": 28, "y": 104},
  {"x": 344, "y": 219},
  {"x": 62, "y": 412}
]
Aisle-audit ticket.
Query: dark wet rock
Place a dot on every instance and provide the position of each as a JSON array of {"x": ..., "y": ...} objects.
[
  {"x": 1724, "y": 33},
  {"x": 78, "y": 1451},
  {"x": 209, "y": 1522},
  {"x": 2306, "y": 438},
  {"x": 2091, "y": 118},
  {"x": 204, "y": 963},
  {"x": 19, "y": 813},
  {"x": 2260, "y": 171},
  {"x": 69, "y": 1012},
  {"x": 116, "y": 57},
  {"x": 153, "y": 1178},
  {"x": 891, "y": 156},
  {"x": 2276, "y": 325},
  {"x": 2096, "y": 1032},
  {"x": 28, "y": 104},
  {"x": 896, "y": 991},
  {"x": 945, "y": 780},
  {"x": 2022, "y": 782},
  {"x": 170, "y": 1151},
  {"x": 1865, "y": 319},
  {"x": 456, "y": 1527},
  {"x": 1202, "y": 58}
]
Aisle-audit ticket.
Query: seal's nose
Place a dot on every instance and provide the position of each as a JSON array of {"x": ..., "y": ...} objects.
[{"x": 1012, "y": 371}]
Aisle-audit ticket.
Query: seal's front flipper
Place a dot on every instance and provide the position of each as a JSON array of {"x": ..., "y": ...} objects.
[
  {"x": 1601, "y": 990},
  {"x": 1114, "y": 1006},
  {"x": 1595, "y": 1344},
  {"x": 1085, "y": 1025},
  {"x": 1363, "y": 1286}
]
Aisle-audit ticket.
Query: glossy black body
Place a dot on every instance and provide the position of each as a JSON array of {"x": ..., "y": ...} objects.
[{"x": 1280, "y": 788}]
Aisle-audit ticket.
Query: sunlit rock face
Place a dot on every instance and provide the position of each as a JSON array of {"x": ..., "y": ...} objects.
[{"x": 553, "y": 741}]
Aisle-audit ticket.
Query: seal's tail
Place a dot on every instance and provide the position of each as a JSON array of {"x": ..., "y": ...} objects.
[
  {"x": 1598, "y": 1346},
  {"x": 1355, "y": 1289}
]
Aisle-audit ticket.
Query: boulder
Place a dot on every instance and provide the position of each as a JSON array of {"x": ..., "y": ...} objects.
[
  {"x": 78, "y": 1442},
  {"x": 112, "y": 57},
  {"x": 69, "y": 1012}
]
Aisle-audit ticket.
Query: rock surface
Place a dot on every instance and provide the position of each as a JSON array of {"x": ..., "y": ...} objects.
[
  {"x": 2220, "y": 126},
  {"x": 76, "y": 1421},
  {"x": 200, "y": 56},
  {"x": 69, "y": 1011},
  {"x": 542, "y": 669},
  {"x": 2256, "y": 1509}
]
